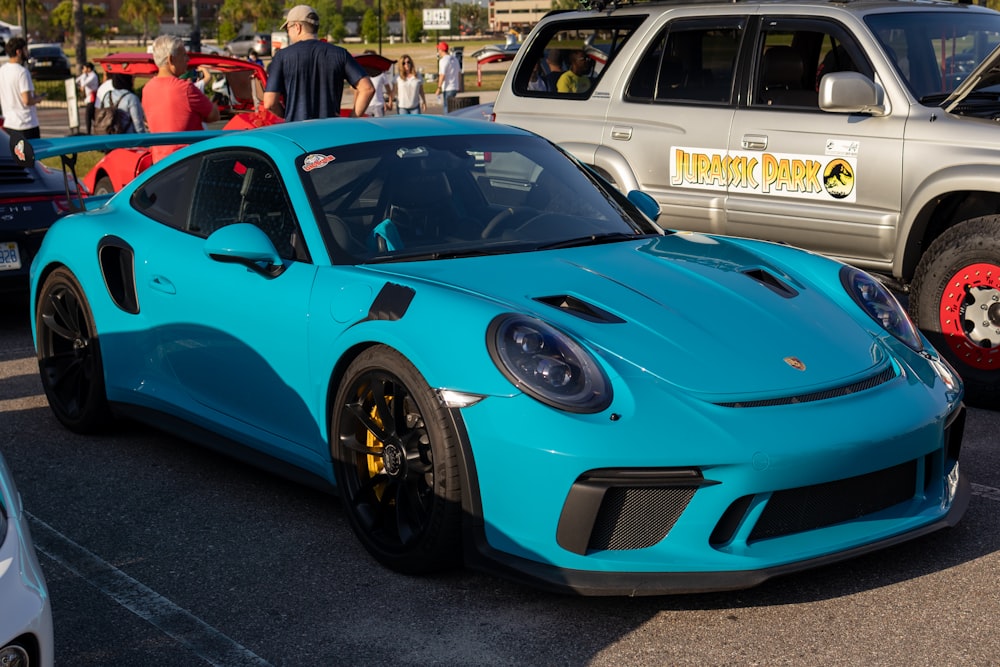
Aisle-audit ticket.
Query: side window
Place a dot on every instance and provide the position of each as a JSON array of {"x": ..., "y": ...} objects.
[
  {"x": 567, "y": 59},
  {"x": 240, "y": 186},
  {"x": 164, "y": 197},
  {"x": 792, "y": 58},
  {"x": 690, "y": 61}
]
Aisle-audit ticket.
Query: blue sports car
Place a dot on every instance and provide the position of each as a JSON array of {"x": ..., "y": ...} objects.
[{"x": 495, "y": 358}]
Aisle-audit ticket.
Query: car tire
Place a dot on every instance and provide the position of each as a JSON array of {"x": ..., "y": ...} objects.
[
  {"x": 395, "y": 457},
  {"x": 104, "y": 186},
  {"x": 69, "y": 354},
  {"x": 955, "y": 300}
]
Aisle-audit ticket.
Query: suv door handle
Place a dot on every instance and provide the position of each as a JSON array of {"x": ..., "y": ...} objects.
[
  {"x": 621, "y": 133},
  {"x": 754, "y": 142}
]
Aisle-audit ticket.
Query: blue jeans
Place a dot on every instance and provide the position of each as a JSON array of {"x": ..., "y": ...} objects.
[
  {"x": 445, "y": 96},
  {"x": 415, "y": 109}
]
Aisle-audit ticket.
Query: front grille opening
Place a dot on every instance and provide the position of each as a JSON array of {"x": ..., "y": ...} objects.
[
  {"x": 854, "y": 388},
  {"x": 636, "y": 518},
  {"x": 730, "y": 522},
  {"x": 811, "y": 507}
]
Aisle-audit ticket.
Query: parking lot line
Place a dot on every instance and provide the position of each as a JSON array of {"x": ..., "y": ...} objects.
[{"x": 200, "y": 638}]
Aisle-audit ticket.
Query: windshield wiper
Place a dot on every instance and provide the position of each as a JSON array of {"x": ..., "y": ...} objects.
[
  {"x": 438, "y": 254},
  {"x": 593, "y": 239}
]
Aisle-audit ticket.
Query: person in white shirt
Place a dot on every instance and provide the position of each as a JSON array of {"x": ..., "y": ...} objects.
[
  {"x": 383, "y": 85},
  {"x": 448, "y": 75},
  {"x": 17, "y": 94},
  {"x": 409, "y": 88},
  {"x": 87, "y": 83}
]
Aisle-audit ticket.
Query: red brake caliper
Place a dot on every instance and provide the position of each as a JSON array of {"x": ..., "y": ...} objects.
[{"x": 970, "y": 315}]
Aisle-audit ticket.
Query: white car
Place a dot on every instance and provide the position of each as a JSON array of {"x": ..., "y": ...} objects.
[{"x": 25, "y": 613}]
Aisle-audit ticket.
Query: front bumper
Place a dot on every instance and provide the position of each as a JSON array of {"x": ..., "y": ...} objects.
[{"x": 681, "y": 496}]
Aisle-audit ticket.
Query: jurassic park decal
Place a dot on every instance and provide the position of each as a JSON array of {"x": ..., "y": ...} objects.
[{"x": 819, "y": 177}]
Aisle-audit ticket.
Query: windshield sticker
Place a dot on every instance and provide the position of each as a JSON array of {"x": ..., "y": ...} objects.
[
  {"x": 316, "y": 161},
  {"x": 775, "y": 174}
]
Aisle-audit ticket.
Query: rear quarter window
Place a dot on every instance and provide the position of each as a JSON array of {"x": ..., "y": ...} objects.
[{"x": 568, "y": 58}]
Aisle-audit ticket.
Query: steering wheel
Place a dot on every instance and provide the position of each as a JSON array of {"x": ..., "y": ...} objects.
[{"x": 500, "y": 217}]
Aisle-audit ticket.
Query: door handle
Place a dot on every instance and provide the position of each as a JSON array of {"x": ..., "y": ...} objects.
[
  {"x": 161, "y": 284},
  {"x": 754, "y": 142},
  {"x": 621, "y": 133}
]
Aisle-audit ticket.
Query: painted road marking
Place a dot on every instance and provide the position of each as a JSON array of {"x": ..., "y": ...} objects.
[{"x": 203, "y": 640}]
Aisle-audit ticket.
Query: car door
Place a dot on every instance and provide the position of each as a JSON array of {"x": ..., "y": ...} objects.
[
  {"x": 829, "y": 182},
  {"x": 233, "y": 337},
  {"x": 672, "y": 121}
]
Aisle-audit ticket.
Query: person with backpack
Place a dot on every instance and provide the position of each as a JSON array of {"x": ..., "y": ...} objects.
[{"x": 121, "y": 98}]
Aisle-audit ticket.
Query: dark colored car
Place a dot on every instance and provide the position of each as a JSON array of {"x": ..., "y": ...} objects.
[
  {"x": 258, "y": 42},
  {"x": 47, "y": 62},
  {"x": 31, "y": 199}
]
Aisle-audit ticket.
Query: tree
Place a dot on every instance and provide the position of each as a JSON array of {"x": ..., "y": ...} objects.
[
  {"x": 370, "y": 29},
  {"x": 414, "y": 25},
  {"x": 337, "y": 30},
  {"x": 263, "y": 14},
  {"x": 142, "y": 14},
  {"x": 80, "y": 19}
]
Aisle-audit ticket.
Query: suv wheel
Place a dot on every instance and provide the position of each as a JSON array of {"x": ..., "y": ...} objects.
[{"x": 956, "y": 301}]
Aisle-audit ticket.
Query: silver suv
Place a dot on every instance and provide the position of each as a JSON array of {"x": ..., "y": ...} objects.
[{"x": 857, "y": 129}]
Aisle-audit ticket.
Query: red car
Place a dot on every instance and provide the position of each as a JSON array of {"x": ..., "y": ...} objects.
[{"x": 239, "y": 92}]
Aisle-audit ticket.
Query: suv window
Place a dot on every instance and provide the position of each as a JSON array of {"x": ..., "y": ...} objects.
[
  {"x": 568, "y": 59},
  {"x": 934, "y": 51},
  {"x": 794, "y": 54},
  {"x": 690, "y": 60}
]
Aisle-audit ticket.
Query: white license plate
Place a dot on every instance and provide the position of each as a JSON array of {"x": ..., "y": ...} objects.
[{"x": 10, "y": 258}]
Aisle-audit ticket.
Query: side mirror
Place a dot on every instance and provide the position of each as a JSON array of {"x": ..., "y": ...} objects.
[
  {"x": 644, "y": 203},
  {"x": 243, "y": 243},
  {"x": 851, "y": 92}
]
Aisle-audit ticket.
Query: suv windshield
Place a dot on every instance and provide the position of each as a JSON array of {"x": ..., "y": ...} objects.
[
  {"x": 453, "y": 196},
  {"x": 935, "y": 51}
]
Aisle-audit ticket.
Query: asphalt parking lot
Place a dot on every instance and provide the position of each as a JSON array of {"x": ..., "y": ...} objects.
[{"x": 158, "y": 552}]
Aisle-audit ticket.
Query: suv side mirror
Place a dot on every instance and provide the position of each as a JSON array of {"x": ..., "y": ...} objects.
[{"x": 850, "y": 92}]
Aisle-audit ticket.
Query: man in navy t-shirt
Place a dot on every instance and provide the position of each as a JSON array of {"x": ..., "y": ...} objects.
[{"x": 306, "y": 78}]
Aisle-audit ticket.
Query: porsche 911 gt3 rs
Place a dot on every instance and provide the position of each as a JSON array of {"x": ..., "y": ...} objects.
[{"x": 495, "y": 357}]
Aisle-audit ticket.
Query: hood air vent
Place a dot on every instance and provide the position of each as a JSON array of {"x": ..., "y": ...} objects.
[
  {"x": 772, "y": 282},
  {"x": 581, "y": 309}
]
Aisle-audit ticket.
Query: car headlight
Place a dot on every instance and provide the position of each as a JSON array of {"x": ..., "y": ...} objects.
[
  {"x": 881, "y": 306},
  {"x": 547, "y": 364}
]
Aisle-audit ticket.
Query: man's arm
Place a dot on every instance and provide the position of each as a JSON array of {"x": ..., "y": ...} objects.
[
  {"x": 29, "y": 99},
  {"x": 213, "y": 115},
  {"x": 363, "y": 94},
  {"x": 272, "y": 102}
]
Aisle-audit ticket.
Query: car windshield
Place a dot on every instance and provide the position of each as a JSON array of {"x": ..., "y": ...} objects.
[
  {"x": 46, "y": 52},
  {"x": 455, "y": 196},
  {"x": 935, "y": 51}
]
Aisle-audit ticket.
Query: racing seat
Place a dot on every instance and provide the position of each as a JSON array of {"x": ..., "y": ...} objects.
[
  {"x": 781, "y": 79},
  {"x": 421, "y": 206}
]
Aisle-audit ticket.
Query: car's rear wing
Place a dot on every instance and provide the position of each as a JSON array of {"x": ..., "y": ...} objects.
[{"x": 25, "y": 152}]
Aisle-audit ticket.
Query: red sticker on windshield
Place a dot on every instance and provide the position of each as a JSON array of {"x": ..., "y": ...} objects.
[{"x": 315, "y": 161}]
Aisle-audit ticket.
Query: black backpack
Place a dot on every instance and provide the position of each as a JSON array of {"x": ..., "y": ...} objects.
[{"x": 109, "y": 119}]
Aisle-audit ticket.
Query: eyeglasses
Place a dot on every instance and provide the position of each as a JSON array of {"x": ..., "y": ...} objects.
[{"x": 407, "y": 62}]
